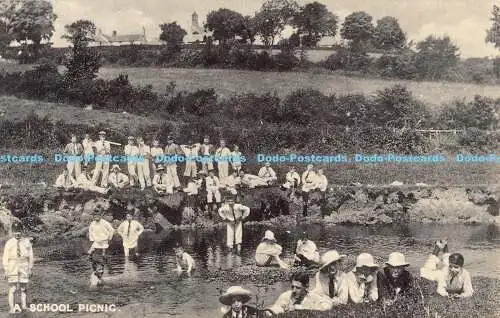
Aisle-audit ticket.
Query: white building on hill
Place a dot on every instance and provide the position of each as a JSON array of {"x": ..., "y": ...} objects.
[{"x": 116, "y": 39}]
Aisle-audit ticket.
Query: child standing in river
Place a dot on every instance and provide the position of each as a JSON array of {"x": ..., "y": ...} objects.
[
  {"x": 185, "y": 262},
  {"x": 18, "y": 265}
]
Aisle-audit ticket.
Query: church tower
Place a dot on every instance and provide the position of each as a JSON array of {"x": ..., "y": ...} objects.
[{"x": 195, "y": 27}]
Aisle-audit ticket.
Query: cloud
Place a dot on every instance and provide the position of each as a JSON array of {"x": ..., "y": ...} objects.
[{"x": 468, "y": 34}]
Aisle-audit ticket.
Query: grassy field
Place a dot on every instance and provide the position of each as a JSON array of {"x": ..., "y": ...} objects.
[
  {"x": 15, "y": 109},
  {"x": 229, "y": 82}
]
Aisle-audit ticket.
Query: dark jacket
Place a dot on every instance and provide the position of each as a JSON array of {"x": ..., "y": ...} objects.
[
  {"x": 387, "y": 284},
  {"x": 248, "y": 312}
]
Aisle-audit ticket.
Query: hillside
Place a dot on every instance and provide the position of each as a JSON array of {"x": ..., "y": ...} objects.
[
  {"x": 229, "y": 82},
  {"x": 15, "y": 109}
]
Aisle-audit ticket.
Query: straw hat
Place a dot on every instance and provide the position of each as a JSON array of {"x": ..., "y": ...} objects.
[
  {"x": 365, "y": 260},
  {"x": 160, "y": 168},
  {"x": 102, "y": 133},
  {"x": 269, "y": 235},
  {"x": 130, "y": 138},
  {"x": 397, "y": 259},
  {"x": 116, "y": 167},
  {"x": 233, "y": 291},
  {"x": 330, "y": 257}
]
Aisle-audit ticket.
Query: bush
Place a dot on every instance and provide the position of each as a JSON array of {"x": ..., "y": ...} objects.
[
  {"x": 398, "y": 66},
  {"x": 305, "y": 106},
  {"x": 479, "y": 141},
  {"x": 260, "y": 61},
  {"x": 348, "y": 60},
  {"x": 481, "y": 113},
  {"x": 396, "y": 107},
  {"x": 285, "y": 61}
]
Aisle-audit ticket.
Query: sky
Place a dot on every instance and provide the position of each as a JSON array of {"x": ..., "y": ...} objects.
[{"x": 465, "y": 21}]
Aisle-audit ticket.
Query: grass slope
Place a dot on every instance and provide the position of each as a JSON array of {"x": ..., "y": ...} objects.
[
  {"x": 229, "y": 82},
  {"x": 15, "y": 109}
]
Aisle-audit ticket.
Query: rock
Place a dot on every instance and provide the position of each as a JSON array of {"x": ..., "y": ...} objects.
[
  {"x": 360, "y": 196},
  {"x": 55, "y": 222},
  {"x": 384, "y": 219},
  {"x": 397, "y": 183}
]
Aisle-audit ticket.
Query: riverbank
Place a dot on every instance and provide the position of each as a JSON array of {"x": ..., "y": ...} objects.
[{"x": 54, "y": 213}]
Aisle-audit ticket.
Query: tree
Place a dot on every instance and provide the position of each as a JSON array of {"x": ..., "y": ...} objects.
[
  {"x": 272, "y": 18},
  {"x": 249, "y": 29},
  {"x": 225, "y": 24},
  {"x": 358, "y": 29},
  {"x": 389, "y": 35},
  {"x": 435, "y": 56},
  {"x": 33, "y": 21},
  {"x": 493, "y": 34},
  {"x": 5, "y": 37},
  {"x": 315, "y": 21},
  {"x": 83, "y": 64},
  {"x": 173, "y": 34}
]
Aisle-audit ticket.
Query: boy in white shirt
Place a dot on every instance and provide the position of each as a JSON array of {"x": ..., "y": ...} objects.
[
  {"x": 268, "y": 174},
  {"x": 100, "y": 233},
  {"x": 184, "y": 261},
  {"x": 130, "y": 230}
]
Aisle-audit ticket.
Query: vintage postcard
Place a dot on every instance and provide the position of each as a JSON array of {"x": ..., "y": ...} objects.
[{"x": 249, "y": 158}]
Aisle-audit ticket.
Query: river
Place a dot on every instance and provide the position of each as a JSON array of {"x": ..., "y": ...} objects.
[{"x": 148, "y": 287}]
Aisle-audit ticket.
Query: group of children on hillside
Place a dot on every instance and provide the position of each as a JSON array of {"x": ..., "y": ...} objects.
[{"x": 200, "y": 179}]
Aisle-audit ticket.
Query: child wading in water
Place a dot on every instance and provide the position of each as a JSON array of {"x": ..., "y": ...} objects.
[
  {"x": 100, "y": 233},
  {"x": 97, "y": 260},
  {"x": 18, "y": 264},
  {"x": 185, "y": 262}
]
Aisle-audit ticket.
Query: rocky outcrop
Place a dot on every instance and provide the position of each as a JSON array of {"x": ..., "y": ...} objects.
[{"x": 55, "y": 213}]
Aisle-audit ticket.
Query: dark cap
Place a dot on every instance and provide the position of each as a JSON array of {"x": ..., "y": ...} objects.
[
  {"x": 456, "y": 259},
  {"x": 17, "y": 227}
]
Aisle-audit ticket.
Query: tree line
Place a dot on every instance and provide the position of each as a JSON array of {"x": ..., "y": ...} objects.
[{"x": 31, "y": 22}]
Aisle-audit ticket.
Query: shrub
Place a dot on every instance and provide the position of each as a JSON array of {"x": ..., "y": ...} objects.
[
  {"x": 396, "y": 107},
  {"x": 252, "y": 107},
  {"x": 481, "y": 113},
  {"x": 260, "y": 61},
  {"x": 285, "y": 61},
  {"x": 349, "y": 60},
  {"x": 400, "y": 66},
  {"x": 478, "y": 140},
  {"x": 304, "y": 106}
]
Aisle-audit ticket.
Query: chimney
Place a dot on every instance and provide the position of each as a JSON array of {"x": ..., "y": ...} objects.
[
  {"x": 144, "y": 32},
  {"x": 114, "y": 33}
]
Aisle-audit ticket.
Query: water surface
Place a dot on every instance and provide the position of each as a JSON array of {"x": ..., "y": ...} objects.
[{"x": 148, "y": 286}]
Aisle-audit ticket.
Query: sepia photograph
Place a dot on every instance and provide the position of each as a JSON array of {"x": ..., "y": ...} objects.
[{"x": 250, "y": 158}]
